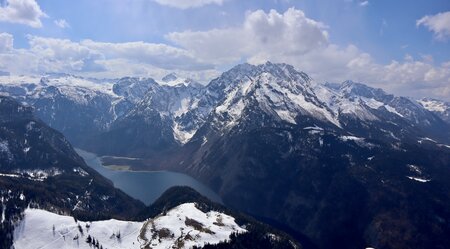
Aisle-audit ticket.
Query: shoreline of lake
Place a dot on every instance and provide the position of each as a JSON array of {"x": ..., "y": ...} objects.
[{"x": 146, "y": 186}]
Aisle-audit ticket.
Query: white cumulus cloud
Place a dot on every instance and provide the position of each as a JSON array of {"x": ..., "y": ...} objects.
[
  {"x": 262, "y": 35},
  {"x": 25, "y": 12},
  {"x": 439, "y": 24}
]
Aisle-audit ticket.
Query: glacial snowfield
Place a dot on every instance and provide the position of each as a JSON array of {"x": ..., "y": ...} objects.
[{"x": 184, "y": 226}]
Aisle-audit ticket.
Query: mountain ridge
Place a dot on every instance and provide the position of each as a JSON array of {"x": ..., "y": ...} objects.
[{"x": 283, "y": 94}]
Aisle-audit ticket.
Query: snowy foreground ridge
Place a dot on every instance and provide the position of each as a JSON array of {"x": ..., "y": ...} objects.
[{"x": 184, "y": 226}]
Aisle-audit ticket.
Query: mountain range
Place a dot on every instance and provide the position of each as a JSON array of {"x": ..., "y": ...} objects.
[{"x": 345, "y": 164}]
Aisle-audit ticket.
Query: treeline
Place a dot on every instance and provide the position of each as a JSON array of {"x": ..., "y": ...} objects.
[
  {"x": 251, "y": 240},
  {"x": 11, "y": 209}
]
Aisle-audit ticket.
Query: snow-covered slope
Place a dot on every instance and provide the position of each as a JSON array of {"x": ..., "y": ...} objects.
[
  {"x": 43, "y": 229},
  {"x": 342, "y": 102},
  {"x": 184, "y": 226},
  {"x": 365, "y": 103},
  {"x": 439, "y": 107}
]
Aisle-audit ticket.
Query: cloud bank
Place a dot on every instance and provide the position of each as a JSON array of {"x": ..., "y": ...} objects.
[{"x": 93, "y": 58}]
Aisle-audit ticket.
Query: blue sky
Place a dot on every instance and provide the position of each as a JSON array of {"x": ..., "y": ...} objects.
[{"x": 401, "y": 46}]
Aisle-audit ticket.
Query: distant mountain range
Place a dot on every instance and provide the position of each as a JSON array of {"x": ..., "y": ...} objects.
[
  {"x": 345, "y": 164},
  {"x": 73, "y": 104}
]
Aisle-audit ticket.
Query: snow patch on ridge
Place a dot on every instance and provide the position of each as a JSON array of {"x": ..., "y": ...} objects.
[
  {"x": 38, "y": 174},
  {"x": 188, "y": 226},
  {"x": 414, "y": 168},
  {"x": 358, "y": 140},
  {"x": 418, "y": 179}
]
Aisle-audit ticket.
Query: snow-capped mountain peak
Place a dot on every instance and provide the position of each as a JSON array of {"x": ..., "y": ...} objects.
[
  {"x": 276, "y": 89},
  {"x": 174, "y": 80},
  {"x": 349, "y": 88}
]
